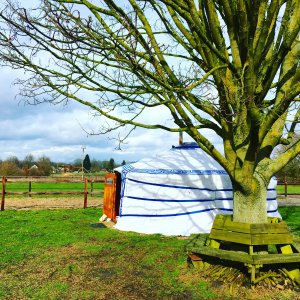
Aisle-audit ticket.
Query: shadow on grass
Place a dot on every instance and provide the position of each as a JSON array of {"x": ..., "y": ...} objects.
[{"x": 98, "y": 225}]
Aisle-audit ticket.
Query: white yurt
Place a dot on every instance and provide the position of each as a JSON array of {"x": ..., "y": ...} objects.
[{"x": 177, "y": 192}]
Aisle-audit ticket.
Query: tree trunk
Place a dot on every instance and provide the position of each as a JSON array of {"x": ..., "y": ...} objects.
[{"x": 250, "y": 206}]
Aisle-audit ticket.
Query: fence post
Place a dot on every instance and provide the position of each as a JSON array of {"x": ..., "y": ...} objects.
[
  {"x": 285, "y": 187},
  {"x": 29, "y": 187},
  {"x": 85, "y": 192},
  {"x": 92, "y": 187},
  {"x": 3, "y": 193}
]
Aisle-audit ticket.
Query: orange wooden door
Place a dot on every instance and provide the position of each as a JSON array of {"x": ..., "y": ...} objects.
[{"x": 109, "y": 201}]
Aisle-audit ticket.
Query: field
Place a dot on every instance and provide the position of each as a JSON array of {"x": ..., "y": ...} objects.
[
  {"x": 97, "y": 187},
  {"x": 53, "y": 187},
  {"x": 57, "y": 196},
  {"x": 291, "y": 189},
  {"x": 67, "y": 254}
]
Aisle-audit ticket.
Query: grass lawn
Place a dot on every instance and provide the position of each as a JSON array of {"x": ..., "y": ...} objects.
[
  {"x": 291, "y": 189},
  {"x": 98, "y": 187},
  {"x": 67, "y": 254}
]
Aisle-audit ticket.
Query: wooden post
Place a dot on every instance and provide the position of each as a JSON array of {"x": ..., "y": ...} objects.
[
  {"x": 29, "y": 187},
  {"x": 285, "y": 187},
  {"x": 85, "y": 192},
  {"x": 3, "y": 193},
  {"x": 92, "y": 187}
]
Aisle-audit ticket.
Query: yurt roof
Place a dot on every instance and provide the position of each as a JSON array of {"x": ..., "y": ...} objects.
[{"x": 187, "y": 157}]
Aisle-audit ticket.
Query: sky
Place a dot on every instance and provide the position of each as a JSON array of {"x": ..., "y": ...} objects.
[{"x": 59, "y": 132}]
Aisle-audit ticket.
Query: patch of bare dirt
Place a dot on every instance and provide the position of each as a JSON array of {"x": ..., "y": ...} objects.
[
  {"x": 27, "y": 203},
  {"x": 290, "y": 200}
]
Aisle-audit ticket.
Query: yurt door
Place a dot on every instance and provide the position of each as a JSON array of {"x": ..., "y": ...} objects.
[{"x": 111, "y": 203}]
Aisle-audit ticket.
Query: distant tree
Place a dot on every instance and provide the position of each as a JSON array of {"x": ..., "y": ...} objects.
[
  {"x": 87, "y": 163},
  {"x": 27, "y": 163},
  {"x": 10, "y": 168},
  {"x": 111, "y": 164},
  {"x": 104, "y": 164},
  {"x": 123, "y": 163},
  {"x": 96, "y": 165},
  {"x": 28, "y": 160},
  {"x": 77, "y": 162},
  {"x": 292, "y": 169},
  {"x": 15, "y": 160},
  {"x": 44, "y": 166},
  {"x": 33, "y": 171}
]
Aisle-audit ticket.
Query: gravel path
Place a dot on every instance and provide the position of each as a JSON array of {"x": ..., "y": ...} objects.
[{"x": 293, "y": 200}]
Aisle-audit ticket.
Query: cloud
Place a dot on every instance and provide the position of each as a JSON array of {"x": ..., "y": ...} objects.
[{"x": 60, "y": 131}]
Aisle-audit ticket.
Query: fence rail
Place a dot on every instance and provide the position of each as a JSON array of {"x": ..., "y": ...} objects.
[
  {"x": 87, "y": 189},
  {"x": 286, "y": 184}
]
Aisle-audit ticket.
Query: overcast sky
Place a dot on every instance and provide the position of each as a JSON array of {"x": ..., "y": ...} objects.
[{"x": 59, "y": 131}]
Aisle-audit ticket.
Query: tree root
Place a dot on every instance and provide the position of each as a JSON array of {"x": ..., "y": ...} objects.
[{"x": 273, "y": 278}]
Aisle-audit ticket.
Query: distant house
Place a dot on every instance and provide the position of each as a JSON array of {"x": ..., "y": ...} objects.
[{"x": 34, "y": 167}]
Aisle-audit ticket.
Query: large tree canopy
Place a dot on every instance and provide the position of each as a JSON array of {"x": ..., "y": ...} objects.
[{"x": 225, "y": 66}]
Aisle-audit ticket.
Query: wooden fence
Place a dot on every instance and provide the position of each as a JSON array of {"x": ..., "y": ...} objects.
[
  {"x": 286, "y": 184},
  {"x": 88, "y": 187}
]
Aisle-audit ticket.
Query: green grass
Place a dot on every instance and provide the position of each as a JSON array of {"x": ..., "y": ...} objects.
[
  {"x": 67, "y": 254},
  {"x": 78, "y": 175},
  {"x": 291, "y": 214},
  {"x": 291, "y": 189},
  {"x": 53, "y": 187}
]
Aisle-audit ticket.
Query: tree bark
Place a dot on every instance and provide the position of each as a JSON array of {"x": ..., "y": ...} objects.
[{"x": 250, "y": 206}]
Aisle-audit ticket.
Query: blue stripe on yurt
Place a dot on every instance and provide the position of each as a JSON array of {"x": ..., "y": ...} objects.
[
  {"x": 187, "y": 200},
  {"x": 230, "y": 209},
  {"x": 171, "y": 186},
  {"x": 169, "y": 215},
  {"x": 169, "y": 200},
  {"x": 127, "y": 168},
  {"x": 179, "y": 172},
  {"x": 183, "y": 187},
  {"x": 231, "y": 199},
  {"x": 186, "y": 146}
]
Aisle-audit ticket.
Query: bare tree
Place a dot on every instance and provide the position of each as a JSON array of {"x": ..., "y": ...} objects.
[
  {"x": 44, "y": 166},
  {"x": 28, "y": 161},
  {"x": 229, "y": 67},
  {"x": 10, "y": 168}
]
